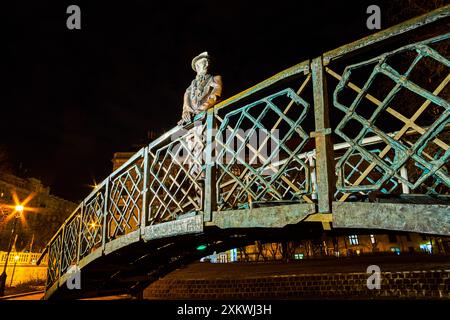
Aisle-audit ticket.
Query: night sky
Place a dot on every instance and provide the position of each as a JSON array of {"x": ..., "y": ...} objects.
[{"x": 74, "y": 97}]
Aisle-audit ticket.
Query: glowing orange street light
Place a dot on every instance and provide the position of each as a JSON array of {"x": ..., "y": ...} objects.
[{"x": 18, "y": 209}]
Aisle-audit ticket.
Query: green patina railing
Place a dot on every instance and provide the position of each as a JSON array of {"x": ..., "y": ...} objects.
[
  {"x": 402, "y": 151},
  {"x": 279, "y": 175},
  {"x": 364, "y": 152}
]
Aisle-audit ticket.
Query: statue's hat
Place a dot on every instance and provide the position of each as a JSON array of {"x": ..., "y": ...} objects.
[{"x": 202, "y": 55}]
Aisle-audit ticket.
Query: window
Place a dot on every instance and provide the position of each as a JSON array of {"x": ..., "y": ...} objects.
[
  {"x": 372, "y": 239},
  {"x": 233, "y": 255},
  {"x": 353, "y": 240},
  {"x": 426, "y": 247},
  {"x": 396, "y": 250},
  {"x": 298, "y": 256}
]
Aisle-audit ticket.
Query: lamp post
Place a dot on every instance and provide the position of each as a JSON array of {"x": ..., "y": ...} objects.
[
  {"x": 19, "y": 209},
  {"x": 16, "y": 258}
]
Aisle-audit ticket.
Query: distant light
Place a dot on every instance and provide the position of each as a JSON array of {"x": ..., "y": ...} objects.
[
  {"x": 19, "y": 208},
  {"x": 202, "y": 247},
  {"x": 426, "y": 247},
  {"x": 16, "y": 258}
]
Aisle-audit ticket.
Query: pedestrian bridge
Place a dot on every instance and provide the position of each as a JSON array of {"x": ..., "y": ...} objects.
[{"x": 355, "y": 138}]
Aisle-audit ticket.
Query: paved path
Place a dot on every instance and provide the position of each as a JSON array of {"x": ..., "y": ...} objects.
[
  {"x": 38, "y": 296},
  {"x": 25, "y": 296}
]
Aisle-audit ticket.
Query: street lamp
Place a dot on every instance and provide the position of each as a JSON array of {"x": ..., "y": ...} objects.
[{"x": 18, "y": 213}]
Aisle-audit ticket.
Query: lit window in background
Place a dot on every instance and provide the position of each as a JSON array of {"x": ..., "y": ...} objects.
[
  {"x": 372, "y": 238},
  {"x": 426, "y": 247},
  {"x": 233, "y": 255},
  {"x": 298, "y": 256},
  {"x": 353, "y": 240}
]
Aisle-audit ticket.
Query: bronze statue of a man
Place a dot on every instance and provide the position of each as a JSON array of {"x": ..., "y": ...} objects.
[{"x": 204, "y": 92}]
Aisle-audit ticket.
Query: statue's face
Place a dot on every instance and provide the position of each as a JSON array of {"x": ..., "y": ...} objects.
[{"x": 201, "y": 66}]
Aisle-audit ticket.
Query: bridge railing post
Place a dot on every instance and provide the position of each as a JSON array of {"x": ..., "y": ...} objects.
[
  {"x": 105, "y": 213},
  {"x": 61, "y": 252},
  {"x": 322, "y": 135},
  {"x": 144, "y": 210},
  {"x": 80, "y": 230},
  {"x": 209, "y": 202}
]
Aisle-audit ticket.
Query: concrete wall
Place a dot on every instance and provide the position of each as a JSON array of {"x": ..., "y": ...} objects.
[{"x": 412, "y": 284}]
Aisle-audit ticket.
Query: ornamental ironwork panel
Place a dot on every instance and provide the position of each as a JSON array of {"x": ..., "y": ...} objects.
[
  {"x": 125, "y": 191},
  {"x": 258, "y": 149},
  {"x": 92, "y": 222},
  {"x": 54, "y": 260},
  {"x": 355, "y": 166},
  {"x": 70, "y": 243},
  {"x": 176, "y": 174},
  {"x": 408, "y": 116}
]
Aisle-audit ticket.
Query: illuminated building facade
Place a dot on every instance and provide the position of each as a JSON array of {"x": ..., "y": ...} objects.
[
  {"x": 38, "y": 225},
  {"x": 343, "y": 245}
]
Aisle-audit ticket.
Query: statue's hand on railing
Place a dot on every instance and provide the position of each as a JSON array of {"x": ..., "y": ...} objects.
[{"x": 185, "y": 118}]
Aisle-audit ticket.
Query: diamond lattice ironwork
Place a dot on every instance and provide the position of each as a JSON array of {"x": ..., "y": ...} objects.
[
  {"x": 70, "y": 244},
  {"x": 54, "y": 259},
  {"x": 92, "y": 223},
  {"x": 421, "y": 151},
  {"x": 125, "y": 200},
  {"x": 280, "y": 173},
  {"x": 176, "y": 174}
]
